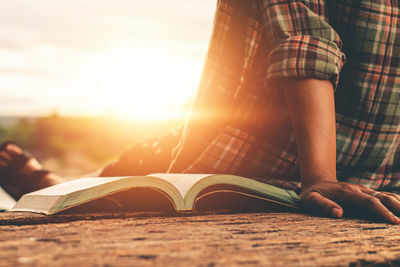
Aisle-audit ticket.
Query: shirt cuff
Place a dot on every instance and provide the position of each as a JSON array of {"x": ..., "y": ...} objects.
[{"x": 305, "y": 57}]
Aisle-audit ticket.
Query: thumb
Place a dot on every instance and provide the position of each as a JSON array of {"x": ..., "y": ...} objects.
[{"x": 315, "y": 202}]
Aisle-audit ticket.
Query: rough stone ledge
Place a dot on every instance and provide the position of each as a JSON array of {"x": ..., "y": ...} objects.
[{"x": 153, "y": 239}]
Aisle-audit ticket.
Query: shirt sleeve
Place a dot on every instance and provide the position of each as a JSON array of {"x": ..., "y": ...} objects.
[{"x": 303, "y": 44}]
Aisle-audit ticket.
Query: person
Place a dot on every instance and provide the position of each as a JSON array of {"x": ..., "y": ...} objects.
[{"x": 306, "y": 91}]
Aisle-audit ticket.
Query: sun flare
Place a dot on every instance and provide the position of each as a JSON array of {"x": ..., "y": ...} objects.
[{"x": 145, "y": 85}]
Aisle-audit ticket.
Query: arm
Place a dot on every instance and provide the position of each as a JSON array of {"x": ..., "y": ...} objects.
[
  {"x": 312, "y": 111},
  {"x": 304, "y": 54}
]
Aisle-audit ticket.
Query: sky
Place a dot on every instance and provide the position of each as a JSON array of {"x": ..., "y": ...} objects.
[{"x": 125, "y": 58}]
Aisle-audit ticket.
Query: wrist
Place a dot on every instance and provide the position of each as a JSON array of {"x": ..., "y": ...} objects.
[
  {"x": 308, "y": 181},
  {"x": 317, "y": 169}
]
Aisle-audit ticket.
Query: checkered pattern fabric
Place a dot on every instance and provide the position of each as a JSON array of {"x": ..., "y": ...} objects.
[{"x": 239, "y": 122}]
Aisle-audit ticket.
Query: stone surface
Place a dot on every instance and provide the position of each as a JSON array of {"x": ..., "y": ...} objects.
[{"x": 144, "y": 239}]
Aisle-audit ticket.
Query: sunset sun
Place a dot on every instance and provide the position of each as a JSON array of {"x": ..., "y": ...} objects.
[{"x": 148, "y": 84}]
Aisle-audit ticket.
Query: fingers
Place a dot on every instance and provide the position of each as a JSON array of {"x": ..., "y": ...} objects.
[
  {"x": 396, "y": 196},
  {"x": 373, "y": 204},
  {"x": 7, "y": 155},
  {"x": 390, "y": 201},
  {"x": 5, "y": 158},
  {"x": 327, "y": 198},
  {"x": 316, "y": 202},
  {"x": 13, "y": 149}
]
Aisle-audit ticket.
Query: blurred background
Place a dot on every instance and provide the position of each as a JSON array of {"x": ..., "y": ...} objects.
[{"x": 83, "y": 80}]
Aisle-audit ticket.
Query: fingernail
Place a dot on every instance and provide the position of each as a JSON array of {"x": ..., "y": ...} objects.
[{"x": 336, "y": 212}]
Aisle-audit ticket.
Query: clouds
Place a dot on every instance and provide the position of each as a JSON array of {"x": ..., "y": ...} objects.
[{"x": 44, "y": 44}]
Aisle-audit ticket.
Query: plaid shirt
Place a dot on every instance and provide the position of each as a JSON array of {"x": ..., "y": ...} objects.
[{"x": 239, "y": 122}]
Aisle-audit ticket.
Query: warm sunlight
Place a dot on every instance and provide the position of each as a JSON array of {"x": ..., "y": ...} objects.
[
  {"x": 149, "y": 84},
  {"x": 115, "y": 58}
]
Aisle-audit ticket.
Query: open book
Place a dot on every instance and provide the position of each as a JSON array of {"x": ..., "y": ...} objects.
[
  {"x": 182, "y": 190},
  {"x": 6, "y": 201}
]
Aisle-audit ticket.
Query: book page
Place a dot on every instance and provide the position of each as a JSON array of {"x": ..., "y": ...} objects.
[
  {"x": 182, "y": 182},
  {"x": 75, "y": 185},
  {"x": 75, "y": 192},
  {"x": 6, "y": 201}
]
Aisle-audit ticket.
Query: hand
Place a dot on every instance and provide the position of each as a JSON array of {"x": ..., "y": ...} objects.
[{"x": 330, "y": 198}]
